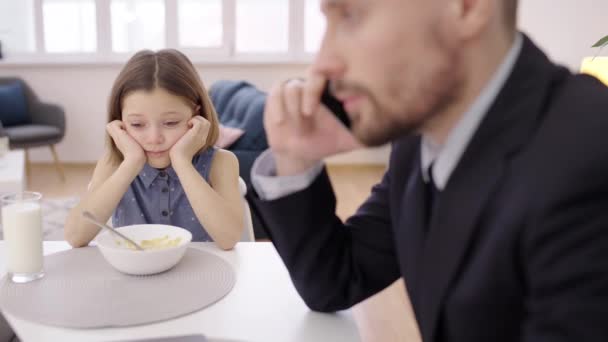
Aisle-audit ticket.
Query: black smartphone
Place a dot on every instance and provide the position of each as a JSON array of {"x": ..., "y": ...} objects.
[{"x": 335, "y": 106}]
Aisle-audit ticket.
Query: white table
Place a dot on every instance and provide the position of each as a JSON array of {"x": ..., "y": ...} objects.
[
  {"x": 263, "y": 306},
  {"x": 12, "y": 171}
]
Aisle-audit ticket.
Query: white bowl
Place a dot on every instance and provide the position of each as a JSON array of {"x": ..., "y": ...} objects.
[{"x": 148, "y": 261}]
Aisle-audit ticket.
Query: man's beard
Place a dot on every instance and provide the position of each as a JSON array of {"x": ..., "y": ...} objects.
[{"x": 430, "y": 98}]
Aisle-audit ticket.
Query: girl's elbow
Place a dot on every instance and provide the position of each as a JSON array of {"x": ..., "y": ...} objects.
[
  {"x": 229, "y": 243},
  {"x": 73, "y": 239},
  {"x": 69, "y": 234},
  {"x": 226, "y": 245},
  {"x": 73, "y": 235}
]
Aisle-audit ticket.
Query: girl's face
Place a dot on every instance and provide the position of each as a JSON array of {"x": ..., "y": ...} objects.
[{"x": 156, "y": 119}]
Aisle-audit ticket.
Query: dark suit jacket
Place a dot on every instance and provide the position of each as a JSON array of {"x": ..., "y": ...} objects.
[{"x": 517, "y": 248}]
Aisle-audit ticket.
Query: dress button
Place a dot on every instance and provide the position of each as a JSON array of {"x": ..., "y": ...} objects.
[
  {"x": 164, "y": 213},
  {"x": 162, "y": 174},
  {"x": 165, "y": 190}
]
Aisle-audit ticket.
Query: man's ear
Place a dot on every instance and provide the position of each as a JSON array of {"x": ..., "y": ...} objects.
[{"x": 473, "y": 16}]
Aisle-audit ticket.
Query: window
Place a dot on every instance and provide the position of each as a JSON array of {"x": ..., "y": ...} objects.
[
  {"x": 17, "y": 26},
  {"x": 69, "y": 25},
  {"x": 137, "y": 24},
  {"x": 261, "y": 25},
  {"x": 225, "y": 30},
  {"x": 200, "y": 23},
  {"x": 314, "y": 25}
]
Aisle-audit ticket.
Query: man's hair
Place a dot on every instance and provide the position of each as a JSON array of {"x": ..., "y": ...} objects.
[{"x": 511, "y": 13}]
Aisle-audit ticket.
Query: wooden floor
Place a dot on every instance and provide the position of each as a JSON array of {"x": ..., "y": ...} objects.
[
  {"x": 45, "y": 179},
  {"x": 385, "y": 317}
]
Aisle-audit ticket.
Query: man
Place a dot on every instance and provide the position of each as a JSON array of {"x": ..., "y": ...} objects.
[{"x": 494, "y": 207}]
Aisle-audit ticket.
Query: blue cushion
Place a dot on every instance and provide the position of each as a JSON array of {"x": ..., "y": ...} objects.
[{"x": 13, "y": 107}]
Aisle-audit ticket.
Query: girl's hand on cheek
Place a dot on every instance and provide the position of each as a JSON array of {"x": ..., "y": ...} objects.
[
  {"x": 192, "y": 141},
  {"x": 131, "y": 151}
]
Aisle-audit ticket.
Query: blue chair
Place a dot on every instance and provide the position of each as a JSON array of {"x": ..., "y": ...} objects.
[{"x": 27, "y": 121}]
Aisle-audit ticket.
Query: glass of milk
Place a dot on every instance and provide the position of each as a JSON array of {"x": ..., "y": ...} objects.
[{"x": 22, "y": 225}]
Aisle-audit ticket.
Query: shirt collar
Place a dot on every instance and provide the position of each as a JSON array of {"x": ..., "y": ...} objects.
[
  {"x": 148, "y": 174},
  {"x": 445, "y": 157}
]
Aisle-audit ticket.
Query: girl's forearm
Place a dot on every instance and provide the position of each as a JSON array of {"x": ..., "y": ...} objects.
[
  {"x": 222, "y": 219},
  {"x": 101, "y": 200}
]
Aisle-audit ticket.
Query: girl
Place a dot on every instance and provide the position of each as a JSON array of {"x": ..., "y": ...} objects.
[{"x": 160, "y": 165}]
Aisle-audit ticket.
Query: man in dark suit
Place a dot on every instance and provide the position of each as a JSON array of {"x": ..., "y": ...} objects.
[{"x": 494, "y": 207}]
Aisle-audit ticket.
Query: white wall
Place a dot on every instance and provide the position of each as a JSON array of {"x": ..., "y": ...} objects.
[{"x": 564, "y": 28}]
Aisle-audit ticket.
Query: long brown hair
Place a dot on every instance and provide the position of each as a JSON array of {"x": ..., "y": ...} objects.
[{"x": 170, "y": 70}]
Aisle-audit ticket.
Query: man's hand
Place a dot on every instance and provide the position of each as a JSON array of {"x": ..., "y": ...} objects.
[
  {"x": 131, "y": 151},
  {"x": 300, "y": 131},
  {"x": 191, "y": 142}
]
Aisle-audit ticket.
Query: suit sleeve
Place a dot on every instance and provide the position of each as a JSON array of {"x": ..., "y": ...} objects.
[
  {"x": 333, "y": 265},
  {"x": 566, "y": 253}
]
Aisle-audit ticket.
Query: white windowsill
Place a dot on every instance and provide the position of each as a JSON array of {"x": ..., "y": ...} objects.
[{"x": 76, "y": 61}]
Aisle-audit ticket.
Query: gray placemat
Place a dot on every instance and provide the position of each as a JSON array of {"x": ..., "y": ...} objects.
[{"x": 81, "y": 290}]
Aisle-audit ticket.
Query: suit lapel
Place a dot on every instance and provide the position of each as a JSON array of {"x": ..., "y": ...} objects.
[{"x": 504, "y": 130}]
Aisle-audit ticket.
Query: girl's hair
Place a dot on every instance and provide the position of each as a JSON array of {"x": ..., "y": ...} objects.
[{"x": 170, "y": 70}]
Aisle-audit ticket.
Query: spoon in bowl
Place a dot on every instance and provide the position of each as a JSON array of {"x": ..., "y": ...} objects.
[{"x": 93, "y": 219}]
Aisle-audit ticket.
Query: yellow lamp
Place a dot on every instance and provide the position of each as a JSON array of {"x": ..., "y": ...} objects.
[{"x": 597, "y": 67}]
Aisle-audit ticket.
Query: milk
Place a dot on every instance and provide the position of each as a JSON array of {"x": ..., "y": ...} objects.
[{"x": 22, "y": 225}]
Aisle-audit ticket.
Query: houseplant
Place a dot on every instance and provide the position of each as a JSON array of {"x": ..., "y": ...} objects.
[
  {"x": 601, "y": 43},
  {"x": 597, "y": 66}
]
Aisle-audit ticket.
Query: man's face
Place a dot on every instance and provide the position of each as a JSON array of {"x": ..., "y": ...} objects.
[{"x": 391, "y": 62}]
